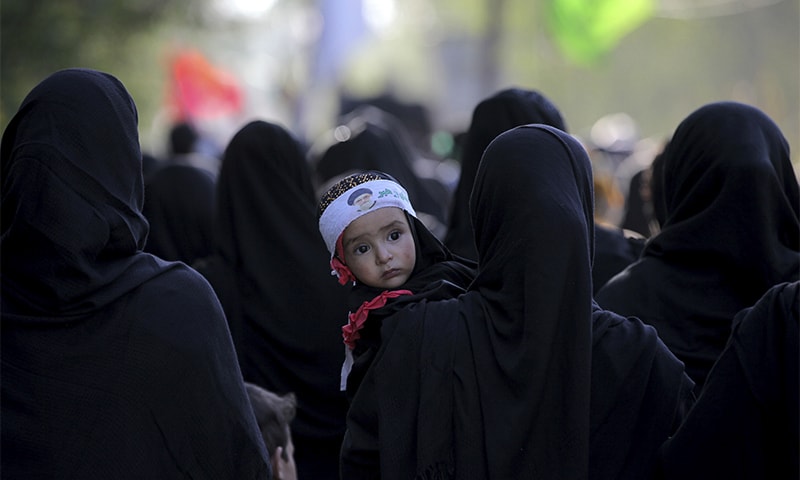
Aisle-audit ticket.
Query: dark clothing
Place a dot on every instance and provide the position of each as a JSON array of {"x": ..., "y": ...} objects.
[
  {"x": 613, "y": 251},
  {"x": 501, "y": 111},
  {"x": 640, "y": 395},
  {"x": 438, "y": 275},
  {"x": 116, "y": 364},
  {"x": 731, "y": 231},
  {"x": 179, "y": 206},
  {"x": 271, "y": 272},
  {"x": 639, "y": 216},
  {"x": 746, "y": 422},
  {"x": 496, "y": 382},
  {"x": 139, "y": 388},
  {"x": 150, "y": 164},
  {"x": 523, "y": 376}
]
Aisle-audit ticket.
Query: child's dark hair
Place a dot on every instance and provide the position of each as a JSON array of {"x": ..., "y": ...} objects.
[{"x": 274, "y": 413}]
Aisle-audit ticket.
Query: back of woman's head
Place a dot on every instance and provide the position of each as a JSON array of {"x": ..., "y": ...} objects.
[
  {"x": 729, "y": 197},
  {"x": 533, "y": 194},
  {"x": 72, "y": 188}
]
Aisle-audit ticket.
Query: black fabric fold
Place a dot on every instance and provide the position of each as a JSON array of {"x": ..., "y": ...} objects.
[
  {"x": 271, "y": 271},
  {"x": 729, "y": 198},
  {"x": 115, "y": 363}
]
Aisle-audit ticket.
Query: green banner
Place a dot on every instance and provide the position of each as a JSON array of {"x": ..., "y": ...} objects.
[{"x": 587, "y": 29}]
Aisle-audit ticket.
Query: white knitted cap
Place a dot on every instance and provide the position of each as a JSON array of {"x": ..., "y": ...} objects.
[{"x": 354, "y": 196}]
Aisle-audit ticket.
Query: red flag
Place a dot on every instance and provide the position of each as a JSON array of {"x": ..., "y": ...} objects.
[{"x": 199, "y": 90}]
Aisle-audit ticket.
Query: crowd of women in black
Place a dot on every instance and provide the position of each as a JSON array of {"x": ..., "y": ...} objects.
[{"x": 531, "y": 340}]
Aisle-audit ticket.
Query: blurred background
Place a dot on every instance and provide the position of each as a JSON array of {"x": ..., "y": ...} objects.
[{"x": 621, "y": 71}]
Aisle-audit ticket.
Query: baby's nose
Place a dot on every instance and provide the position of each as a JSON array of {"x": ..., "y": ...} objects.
[{"x": 383, "y": 255}]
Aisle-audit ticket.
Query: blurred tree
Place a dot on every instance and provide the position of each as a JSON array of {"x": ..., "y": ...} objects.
[
  {"x": 37, "y": 38},
  {"x": 447, "y": 54}
]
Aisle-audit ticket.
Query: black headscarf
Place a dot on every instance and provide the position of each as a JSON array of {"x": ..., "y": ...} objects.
[
  {"x": 639, "y": 215},
  {"x": 495, "y": 383},
  {"x": 115, "y": 363},
  {"x": 731, "y": 231},
  {"x": 179, "y": 205},
  {"x": 93, "y": 166},
  {"x": 614, "y": 249},
  {"x": 371, "y": 139},
  {"x": 494, "y": 115},
  {"x": 271, "y": 272},
  {"x": 746, "y": 422},
  {"x": 502, "y": 111}
]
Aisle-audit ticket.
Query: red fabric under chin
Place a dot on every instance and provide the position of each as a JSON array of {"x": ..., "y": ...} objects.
[{"x": 359, "y": 317}]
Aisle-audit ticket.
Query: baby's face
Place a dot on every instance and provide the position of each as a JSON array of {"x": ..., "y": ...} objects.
[{"x": 379, "y": 248}]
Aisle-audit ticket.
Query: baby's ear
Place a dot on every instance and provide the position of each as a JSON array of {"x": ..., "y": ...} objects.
[{"x": 277, "y": 464}]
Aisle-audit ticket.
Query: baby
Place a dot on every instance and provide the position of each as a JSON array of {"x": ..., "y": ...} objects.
[{"x": 391, "y": 258}]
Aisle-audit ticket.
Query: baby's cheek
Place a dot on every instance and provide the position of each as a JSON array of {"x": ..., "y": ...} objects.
[{"x": 412, "y": 260}]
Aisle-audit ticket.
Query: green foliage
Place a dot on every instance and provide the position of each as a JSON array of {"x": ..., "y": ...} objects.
[
  {"x": 587, "y": 29},
  {"x": 40, "y": 37}
]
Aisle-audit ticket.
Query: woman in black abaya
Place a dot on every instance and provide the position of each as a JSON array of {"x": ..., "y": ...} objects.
[
  {"x": 179, "y": 206},
  {"x": 506, "y": 109},
  {"x": 503, "y": 110},
  {"x": 116, "y": 364},
  {"x": 726, "y": 190},
  {"x": 522, "y": 376},
  {"x": 271, "y": 273},
  {"x": 746, "y": 423}
]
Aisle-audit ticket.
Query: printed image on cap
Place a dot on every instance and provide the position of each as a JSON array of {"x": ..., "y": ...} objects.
[
  {"x": 362, "y": 198},
  {"x": 347, "y": 183}
]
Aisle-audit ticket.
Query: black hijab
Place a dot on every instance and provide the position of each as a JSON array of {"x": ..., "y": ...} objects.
[
  {"x": 501, "y": 111},
  {"x": 639, "y": 216},
  {"x": 115, "y": 363},
  {"x": 731, "y": 230},
  {"x": 179, "y": 205},
  {"x": 614, "y": 249},
  {"x": 271, "y": 273},
  {"x": 371, "y": 139},
  {"x": 495, "y": 382},
  {"x": 84, "y": 222},
  {"x": 746, "y": 423}
]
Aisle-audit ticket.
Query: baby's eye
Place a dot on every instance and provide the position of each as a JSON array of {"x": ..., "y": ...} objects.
[
  {"x": 394, "y": 235},
  {"x": 361, "y": 249}
]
